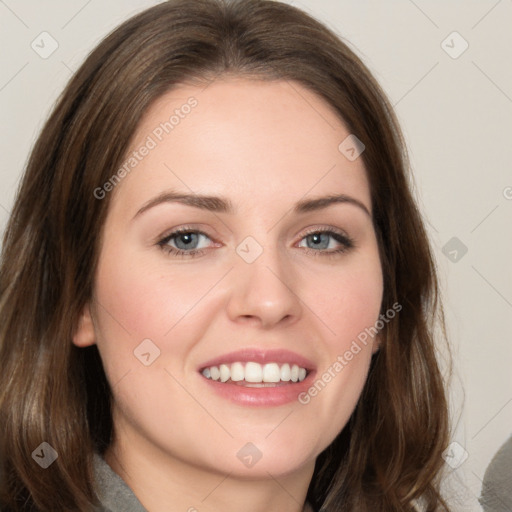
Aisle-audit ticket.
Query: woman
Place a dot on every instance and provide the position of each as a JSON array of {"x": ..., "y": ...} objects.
[{"x": 217, "y": 292}]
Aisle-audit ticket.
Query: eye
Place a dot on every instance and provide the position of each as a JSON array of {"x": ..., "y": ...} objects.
[
  {"x": 184, "y": 242},
  {"x": 326, "y": 242}
]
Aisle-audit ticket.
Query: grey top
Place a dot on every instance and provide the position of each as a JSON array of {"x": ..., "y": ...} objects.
[{"x": 114, "y": 494}]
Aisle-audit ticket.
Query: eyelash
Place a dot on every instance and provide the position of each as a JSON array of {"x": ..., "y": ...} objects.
[{"x": 347, "y": 243}]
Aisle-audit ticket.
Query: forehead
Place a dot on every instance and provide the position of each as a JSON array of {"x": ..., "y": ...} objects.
[{"x": 254, "y": 139}]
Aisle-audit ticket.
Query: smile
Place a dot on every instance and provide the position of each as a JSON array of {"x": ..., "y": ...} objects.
[{"x": 252, "y": 377}]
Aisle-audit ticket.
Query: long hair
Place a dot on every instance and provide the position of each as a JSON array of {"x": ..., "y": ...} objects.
[{"x": 389, "y": 454}]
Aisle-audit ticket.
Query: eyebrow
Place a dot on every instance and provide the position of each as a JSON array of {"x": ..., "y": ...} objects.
[{"x": 224, "y": 205}]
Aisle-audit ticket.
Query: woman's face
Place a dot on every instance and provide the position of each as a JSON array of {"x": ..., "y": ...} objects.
[{"x": 270, "y": 272}]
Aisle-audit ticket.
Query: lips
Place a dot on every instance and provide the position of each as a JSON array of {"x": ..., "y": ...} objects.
[{"x": 255, "y": 377}]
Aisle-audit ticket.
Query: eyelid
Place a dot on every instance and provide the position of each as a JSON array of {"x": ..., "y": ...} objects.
[
  {"x": 324, "y": 229},
  {"x": 169, "y": 233}
]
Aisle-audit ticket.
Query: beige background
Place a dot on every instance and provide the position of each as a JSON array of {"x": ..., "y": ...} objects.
[{"x": 456, "y": 114}]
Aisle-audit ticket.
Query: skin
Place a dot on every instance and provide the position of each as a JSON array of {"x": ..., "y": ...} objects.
[{"x": 264, "y": 146}]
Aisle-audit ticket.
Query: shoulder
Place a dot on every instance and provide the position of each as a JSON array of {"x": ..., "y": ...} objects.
[
  {"x": 112, "y": 490},
  {"x": 496, "y": 489}
]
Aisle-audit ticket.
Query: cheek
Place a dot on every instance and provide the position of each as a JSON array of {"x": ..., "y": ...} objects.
[
  {"x": 134, "y": 305},
  {"x": 140, "y": 299},
  {"x": 348, "y": 300},
  {"x": 143, "y": 299},
  {"x": 349, "y": 306}
]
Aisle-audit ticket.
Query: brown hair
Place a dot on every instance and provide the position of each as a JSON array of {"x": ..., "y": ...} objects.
[{"x": 389, "y": 454}]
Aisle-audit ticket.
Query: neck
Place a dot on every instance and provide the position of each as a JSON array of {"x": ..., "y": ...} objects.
[{"x": 166, "y": 484}]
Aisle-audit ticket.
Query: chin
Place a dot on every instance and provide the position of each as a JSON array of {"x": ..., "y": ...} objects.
[{"x": 257, "y": 459}]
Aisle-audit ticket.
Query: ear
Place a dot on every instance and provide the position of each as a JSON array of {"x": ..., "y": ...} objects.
[
  {"x": 376, "y": 344},
  {"x": 84, "y": 335}
]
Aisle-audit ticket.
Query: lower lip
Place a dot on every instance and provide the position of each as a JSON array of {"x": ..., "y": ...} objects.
[{"x": 282, "y": 393}]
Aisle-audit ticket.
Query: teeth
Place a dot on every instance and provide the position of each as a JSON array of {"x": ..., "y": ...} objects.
[
  {"x": 237, "y": 372},
  {"x": 225, "y": 374},
  {"x": 256, "y": 373},
  {"x": 285, "y": 372},
  {"x": 294, "y": 373},
  {"x": 271, "y": 373},
  {"x": 214, "y": 373},
  {"x": 253, "y": 372}
]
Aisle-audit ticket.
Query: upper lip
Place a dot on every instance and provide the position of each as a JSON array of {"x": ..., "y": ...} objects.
[{"x": 261, "y": 357}]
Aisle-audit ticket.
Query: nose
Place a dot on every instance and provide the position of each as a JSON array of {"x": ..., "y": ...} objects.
[{"x": 262, "y": 292}]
